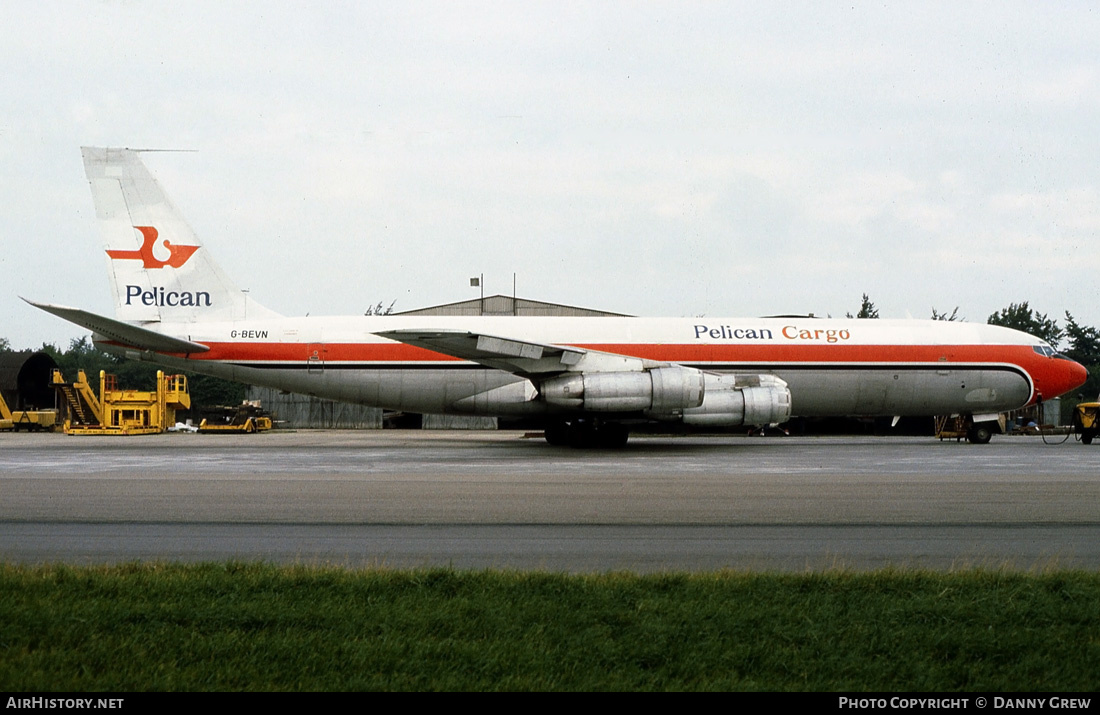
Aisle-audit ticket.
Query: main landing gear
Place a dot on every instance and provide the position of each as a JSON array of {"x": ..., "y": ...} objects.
[{"x": 587, "y": 434}]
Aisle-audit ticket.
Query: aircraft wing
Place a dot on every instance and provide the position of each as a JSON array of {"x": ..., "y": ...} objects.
[
  {"x": 124, "y": 333},
  {"x": 519, "y": 357}
]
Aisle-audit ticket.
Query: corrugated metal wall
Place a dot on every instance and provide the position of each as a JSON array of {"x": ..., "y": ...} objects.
[
  {"x": 294, "y": 411},
  {"x": 458, "y": 422},
  {"x": 305, "y": 412}
]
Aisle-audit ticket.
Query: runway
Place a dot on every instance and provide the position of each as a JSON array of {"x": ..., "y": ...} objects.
[{"x": 496, "y": 499}]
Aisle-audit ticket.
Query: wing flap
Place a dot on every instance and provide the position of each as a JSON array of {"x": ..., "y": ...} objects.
[{"x": 509, "y": 348}]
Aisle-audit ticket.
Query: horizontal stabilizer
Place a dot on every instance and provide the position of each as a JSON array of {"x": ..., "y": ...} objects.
[{"x": 124, "y": 333}]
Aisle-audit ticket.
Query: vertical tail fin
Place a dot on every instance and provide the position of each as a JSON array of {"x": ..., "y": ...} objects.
[{"x": 158, "y": 268}]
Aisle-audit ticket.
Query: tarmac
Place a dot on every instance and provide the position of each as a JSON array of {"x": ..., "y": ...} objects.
[{"x": 381, "y": 498}]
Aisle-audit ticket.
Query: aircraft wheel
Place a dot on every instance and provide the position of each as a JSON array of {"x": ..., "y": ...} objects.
[
  {"x": 588, "y": 435},
  {"x": 582, "y": 434},
  {"x": 979, "y": 434},
  {"x": 557, "y": 433},
  {"x": 1087, "y": 435},
  {"x": 612, "y": 435}
]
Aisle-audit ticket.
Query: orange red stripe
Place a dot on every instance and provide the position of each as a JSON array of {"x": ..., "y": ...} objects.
[{"x": 398, "y": 352}]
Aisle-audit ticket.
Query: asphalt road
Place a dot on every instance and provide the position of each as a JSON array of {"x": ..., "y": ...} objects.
[{"x": 495, "y": 499}]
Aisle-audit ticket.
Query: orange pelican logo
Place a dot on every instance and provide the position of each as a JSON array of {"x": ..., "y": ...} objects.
[{"x": 177, "y": 255}]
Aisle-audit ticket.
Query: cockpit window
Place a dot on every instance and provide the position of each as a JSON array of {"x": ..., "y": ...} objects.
[{"x": 1044, "y": 350}]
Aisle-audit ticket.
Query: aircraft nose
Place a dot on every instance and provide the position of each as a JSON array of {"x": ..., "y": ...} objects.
[
  {"x": 1078, "y": 374},
  {"x": 1072, "y": 375},
  {"x": 1061, "y": 376}
]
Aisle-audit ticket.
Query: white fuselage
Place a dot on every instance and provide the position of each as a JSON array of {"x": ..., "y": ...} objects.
[{"x": 833, "y": 367}]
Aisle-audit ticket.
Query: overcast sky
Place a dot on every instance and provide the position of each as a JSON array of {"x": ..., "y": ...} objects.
[{"x": 673, "y": 159}]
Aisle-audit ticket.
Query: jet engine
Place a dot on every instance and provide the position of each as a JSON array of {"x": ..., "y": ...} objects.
[
  {"x": 675, "y": 393},
  {"x": 663, "y": 389},
  {"x": 732, "y": 400}
]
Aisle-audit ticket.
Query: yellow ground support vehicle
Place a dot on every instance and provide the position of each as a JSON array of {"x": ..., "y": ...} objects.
[
  {"x": 26, "y": 419},
  {"x": 1086, "y": 420},
  {"x": 121, "y": 412},
  {"x": 248, "y": 418}
]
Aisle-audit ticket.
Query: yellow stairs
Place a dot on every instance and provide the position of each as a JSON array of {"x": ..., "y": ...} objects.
[{"x": 121, "y": 412}]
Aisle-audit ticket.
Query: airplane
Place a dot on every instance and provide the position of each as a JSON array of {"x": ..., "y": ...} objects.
[{"x": 590, "y": 380}]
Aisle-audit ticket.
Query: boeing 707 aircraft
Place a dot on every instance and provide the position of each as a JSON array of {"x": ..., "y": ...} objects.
[{"x": 589, "y": 379}]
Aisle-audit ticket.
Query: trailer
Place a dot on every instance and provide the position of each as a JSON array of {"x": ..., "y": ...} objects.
[
  {"x": 30, "y": 420},
  {"x": 247, "y": 418}
]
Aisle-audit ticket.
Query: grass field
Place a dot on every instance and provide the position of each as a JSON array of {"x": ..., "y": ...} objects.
[{"x": 259, "y": 627}]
